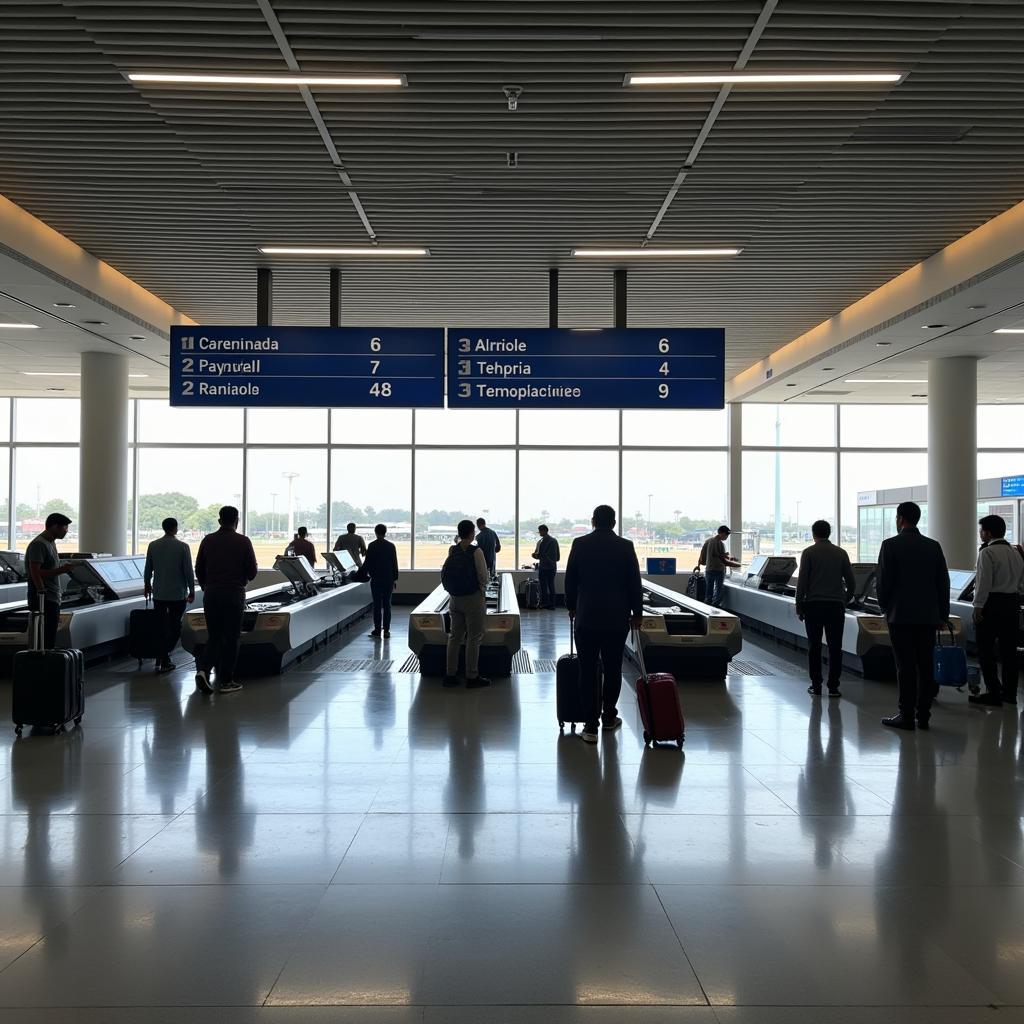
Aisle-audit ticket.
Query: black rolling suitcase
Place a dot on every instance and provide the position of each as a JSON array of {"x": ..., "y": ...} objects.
[
  {"x": 568, "y": 695},
  {"x": 48, "y": 685},
  {"x": 697, "y": 586},
  {"x": 146, "y": 637},
  {"x": 529, "y": 593}
]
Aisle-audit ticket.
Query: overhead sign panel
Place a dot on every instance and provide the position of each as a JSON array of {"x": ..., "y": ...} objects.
[
  {"x": 368, "y": 367},
  {"x": 612, "y": 368},
  {"x": 1013, "y": 487}
]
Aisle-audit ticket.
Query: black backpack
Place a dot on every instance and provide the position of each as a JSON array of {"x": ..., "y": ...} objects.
[{"x": 458, "y": 574}]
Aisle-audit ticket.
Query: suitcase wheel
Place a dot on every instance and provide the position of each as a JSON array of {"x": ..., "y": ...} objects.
[
  {"x": 140, "y": 663},
  {"x": 561, "y": 726},
  {"x": 679, "y": 742},
  {"x": 647, "y": 737},
  {"x": 17, "y": 729},
  {"x": 975, "y": 689},
  {"x": 78, "y": 721}
]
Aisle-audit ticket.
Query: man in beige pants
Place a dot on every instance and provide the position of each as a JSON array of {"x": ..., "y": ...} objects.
[{"x": 464, "y": 576}]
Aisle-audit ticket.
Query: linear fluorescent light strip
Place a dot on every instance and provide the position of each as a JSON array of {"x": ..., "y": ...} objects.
[
  {"x": 20, "y": 327},
  {"x": 353, "y": 250},
  {"x": 1001, "y": 330},
  {"x": 47, "y": 373},
  {"x": 158, "y": 78},
  {"x": 879, "y": 380},
  {"x": 648, "y": 253},
  {"x": 780, "y": 78}
]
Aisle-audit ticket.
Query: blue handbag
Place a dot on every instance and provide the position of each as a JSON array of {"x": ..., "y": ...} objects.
[{"x": 949, "y": 661}]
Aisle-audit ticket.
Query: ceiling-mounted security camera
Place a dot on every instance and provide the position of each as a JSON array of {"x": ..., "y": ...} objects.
[{"x": 512, "y": 93}]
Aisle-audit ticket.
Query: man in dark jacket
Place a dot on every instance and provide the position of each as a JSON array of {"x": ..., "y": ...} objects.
[
  {"x": 381, "y": 566},
  {"x": 913, "y": 592},
  {"x": 547, "y": 554},
  {"x": 224, "y": 564},
  {"x": 604, "y": 596}
]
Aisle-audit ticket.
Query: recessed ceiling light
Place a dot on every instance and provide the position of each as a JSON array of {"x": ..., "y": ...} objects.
[
  {"x": 95, "y": 323},
  {"x": 350, "y": 250},
  {"x": 55, "y": 389},
  {"x": 20, "y": 327},
  {"x": 883, "y": 344},
  {"x": 653, "y": 253},
  {"x": 933, "y": 327},
  {"x": 137, "y": 337},
  {"x": 827, "y": 369},
  {"x": 761, "y": 78},
  {"x": 330, "y": 81},
  {"x": 1001, "y": 330},
  {"x": 977, "y": 307},
  {"x": 790, "y": 385},
  {"x": 882, "y": 380},
  {"x": 925, "y": 395},
  {"x": 64, "y": 305}
]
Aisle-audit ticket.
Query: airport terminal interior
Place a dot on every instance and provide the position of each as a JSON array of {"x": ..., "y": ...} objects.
[{"x": 405, "y": 263}]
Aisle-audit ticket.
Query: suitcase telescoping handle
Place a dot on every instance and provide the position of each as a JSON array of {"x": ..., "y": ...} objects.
[
  {"x": 942, "y": 630},
  {"x": 36, "y": 630},
  {"x": 639, "y": 654},
  {"x": 644, "y": 681}
]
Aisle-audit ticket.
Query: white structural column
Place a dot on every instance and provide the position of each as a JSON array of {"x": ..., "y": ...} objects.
[
  {"x": 103, "y": 486},
  {"x": 735, "y": 410},
  {"x": 953, "y": 458}
]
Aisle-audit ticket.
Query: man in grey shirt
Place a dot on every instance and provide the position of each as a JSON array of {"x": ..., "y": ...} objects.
[
  {"x": 465, "y": 577},
  {"x": 351, "y": 542},
  {"x": 44, "y": 572},
  {"x": 824, "y": 587},
  {"x": 171, "y": 561},
  {"x": 716, "y": 560}
]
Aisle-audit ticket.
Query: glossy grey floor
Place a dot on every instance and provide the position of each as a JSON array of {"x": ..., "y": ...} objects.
[{"x": 330, "y": 846}]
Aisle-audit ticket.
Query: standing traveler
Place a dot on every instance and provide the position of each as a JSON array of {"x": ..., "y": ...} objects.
[
  {"x": 604, "y": 596},
  {"x": 487, "y": 541},
  {"x": 547, "y": 554},
  {"x": 225, "y": 563},
  {"x": 998, "y": 589},
  {"x": 464, "y": 576},
  {"x": 825, "y": 586},
  {"x": 301, "y": 545},
  {"x": 170, "y": 560},
  {"x": 717, "y": 559},
  {"x": 381, "y": 566},
  {"x": 913, "y": 593},
  {"x": 44, "y": 572},
  {"x": 351, "y": 542}
]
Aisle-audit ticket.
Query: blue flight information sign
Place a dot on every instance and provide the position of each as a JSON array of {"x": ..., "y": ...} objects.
[
  {"x": 560, "y": 368},
  {"x": 354, "y": 367},
  {"x": 1013, "y": 487}
]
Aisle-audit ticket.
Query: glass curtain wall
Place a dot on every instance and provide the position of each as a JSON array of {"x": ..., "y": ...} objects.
[{"x": 664, "y": 472}]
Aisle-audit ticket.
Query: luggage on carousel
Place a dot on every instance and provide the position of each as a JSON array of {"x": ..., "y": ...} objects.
[
  {"x": 657, "y": 696},
  {"x": 47, "y": 685}
]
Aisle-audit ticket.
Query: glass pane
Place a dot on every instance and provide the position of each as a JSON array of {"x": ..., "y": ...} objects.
[
  {"x": 46, "y": 480},
  {"x": 883, "y": 426},
  {"x": 189, "y": 485},
  {"x": 160, "y": 423},
  {"x": 791, "y": 426},
  {"x": 1000, "y": 464},
  {"x": 672, "y": 501},
  {"x": 465, "y": 427},
  {"x": 1000, "y": 426},
  {"x": 863, "y": 473},
  {"x": 47, "y": 419},
  {"x": 783, "y": 493},
  {"x": 371, "y": 426},
  {"x": 5, "y": 420},
  {"x": 675, "y": 428},
  {"x": 444, "y": 495},
  {"x": 370, "y": 487},
  {"x": 286, "y": 489},
  {"x": 561, "y": 488},
  {"x": 288, "y": 426},
  {"x": 569, "y": 426},
  {"x": 5, "y": 466}
]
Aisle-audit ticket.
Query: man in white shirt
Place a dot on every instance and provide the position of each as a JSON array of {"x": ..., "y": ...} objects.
[{"x": 998, "y": 589}]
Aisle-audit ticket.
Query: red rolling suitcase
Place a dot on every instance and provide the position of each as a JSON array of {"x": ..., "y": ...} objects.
[{"x": 657, "y": 696}]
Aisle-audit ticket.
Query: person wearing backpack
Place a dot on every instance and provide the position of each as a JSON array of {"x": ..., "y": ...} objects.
[{"x": 465, "y": 576}]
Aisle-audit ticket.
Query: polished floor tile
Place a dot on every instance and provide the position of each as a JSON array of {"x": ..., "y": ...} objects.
[{"x": 371, "y": 848}]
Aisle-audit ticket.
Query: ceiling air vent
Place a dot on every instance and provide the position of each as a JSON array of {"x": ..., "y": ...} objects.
[
  {"x": 829, "y": 394},
  {"x": 916, "y": 133}
]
